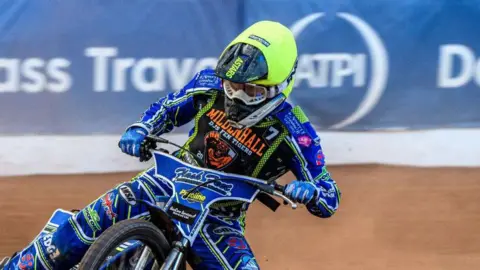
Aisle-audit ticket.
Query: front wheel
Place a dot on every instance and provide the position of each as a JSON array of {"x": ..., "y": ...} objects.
[{"x": 125, "y": 231}]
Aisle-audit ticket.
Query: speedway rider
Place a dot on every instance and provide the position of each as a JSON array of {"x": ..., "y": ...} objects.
[{"x": 243, "y": 125}]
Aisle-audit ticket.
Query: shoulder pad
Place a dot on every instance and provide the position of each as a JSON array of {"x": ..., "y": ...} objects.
[
  {"x": 300, "y": 115},
  {"x": 298, "y": 124},
  {"x": 207, "y": 79},
  {"x": 293, "y": 123}
]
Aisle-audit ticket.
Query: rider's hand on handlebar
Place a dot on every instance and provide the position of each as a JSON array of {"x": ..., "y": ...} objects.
[
  {"x": 131, "y": 141},
  {"x": 301, "y": 192}
]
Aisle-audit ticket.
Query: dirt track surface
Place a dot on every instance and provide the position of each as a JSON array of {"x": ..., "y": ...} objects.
[{"x": 389, "y": 218}]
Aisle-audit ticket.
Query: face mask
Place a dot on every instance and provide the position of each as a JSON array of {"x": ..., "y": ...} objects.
[{"x": 239, "y": 115}]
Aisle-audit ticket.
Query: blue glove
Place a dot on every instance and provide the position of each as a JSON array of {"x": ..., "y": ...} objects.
[
  {"x": 301, "y": 192},
  {"x": 131, "y": 141}
]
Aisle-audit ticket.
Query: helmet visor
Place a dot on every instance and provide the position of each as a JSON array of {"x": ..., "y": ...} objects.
[
  {"x": 250, "y": 94},
  {"x": 242, "y": 63}
]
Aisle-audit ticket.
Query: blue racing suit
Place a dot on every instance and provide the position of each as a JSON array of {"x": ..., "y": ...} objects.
[{"x": 284, "y": 141}]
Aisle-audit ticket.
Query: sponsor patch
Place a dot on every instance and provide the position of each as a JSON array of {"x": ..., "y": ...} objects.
[
  {"x": 192, "y": 196},
  {"x": 304, "y": 140},
  {"x": 26, "y": 261},
  {"x": 292, "y": 123},
  {"x": 51, "y": 249},
  {"x": 224, "y": 230},
  {"x": 185, "y": 175},
  {"x": 218, "y": 153},
  {"x": 237, "y": 243},
  {"x": 330, "y": 193},
  {"x": 107, "y": 204},
  {"x": 127, "y": 194},
  {"x": 92, "y": 218},
  {"x": 324, "y": 175},
  {"x": 207, "y": 80},
  {"x": 234, "y": 67},
  {"x": 319, "y": 158},
  {"x": 183, "y": 213},
  {"x": 259, "y": 39},
  {"x": 245, "y": 139}
]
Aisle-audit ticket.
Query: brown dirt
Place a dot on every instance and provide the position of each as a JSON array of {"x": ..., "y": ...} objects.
[{"x": 389, "y": 218}]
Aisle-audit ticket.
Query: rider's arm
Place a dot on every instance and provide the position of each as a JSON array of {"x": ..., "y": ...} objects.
[
  {"x": 178, "y": 108},
  {"x": 308, "y": 164}
]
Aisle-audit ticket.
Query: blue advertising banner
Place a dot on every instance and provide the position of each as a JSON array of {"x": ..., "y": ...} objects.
[{"x": 92, "y": 67}]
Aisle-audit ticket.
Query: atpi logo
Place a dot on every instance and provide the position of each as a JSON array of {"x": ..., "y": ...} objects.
[{"x": 338, "y": 69}]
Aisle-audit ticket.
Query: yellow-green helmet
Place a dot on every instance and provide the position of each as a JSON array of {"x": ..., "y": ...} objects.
[
  {"x": 263, "y": 54},
  {"x": 271, "y": 62}
]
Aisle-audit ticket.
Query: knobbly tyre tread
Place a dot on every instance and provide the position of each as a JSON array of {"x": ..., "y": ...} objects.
[{"x": 142, "y": 230}]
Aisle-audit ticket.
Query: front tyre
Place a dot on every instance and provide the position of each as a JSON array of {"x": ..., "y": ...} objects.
[{"x": 123, "y": 231}]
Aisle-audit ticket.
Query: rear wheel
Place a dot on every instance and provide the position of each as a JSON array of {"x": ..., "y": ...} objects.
[{"x": 140, "y": 231}]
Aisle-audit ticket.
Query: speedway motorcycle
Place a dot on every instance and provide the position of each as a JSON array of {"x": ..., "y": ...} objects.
[{"x": 164, "y": 240}]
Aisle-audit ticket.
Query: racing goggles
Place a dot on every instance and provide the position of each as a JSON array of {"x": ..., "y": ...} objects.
[{"x": 250, "y": 94}]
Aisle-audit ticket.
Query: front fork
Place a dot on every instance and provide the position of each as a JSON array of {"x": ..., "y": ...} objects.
[
  {"x": 176, "y": 255},
  {"x": 173, "y": 260}
]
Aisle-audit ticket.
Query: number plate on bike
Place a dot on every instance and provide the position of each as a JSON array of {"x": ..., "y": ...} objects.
[{"x": 183, "y": 213}]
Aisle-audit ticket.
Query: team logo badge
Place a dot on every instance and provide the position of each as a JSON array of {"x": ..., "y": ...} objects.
[{"x": 218, "y": 154}]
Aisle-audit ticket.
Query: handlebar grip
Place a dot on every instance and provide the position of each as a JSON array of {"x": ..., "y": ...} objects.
[
  {"x": 145, "y": 147},
  {"x": 279, "y": 188}
]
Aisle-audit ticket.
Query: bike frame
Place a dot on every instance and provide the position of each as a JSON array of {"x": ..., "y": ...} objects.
[{"x": 195, "y": 189}]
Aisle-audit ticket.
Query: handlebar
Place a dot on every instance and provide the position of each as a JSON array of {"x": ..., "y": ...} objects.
[
  {"x": 276, "y": 190},
  {"x": 150, "y": 144},
  {"x": 158, "y": 139}
]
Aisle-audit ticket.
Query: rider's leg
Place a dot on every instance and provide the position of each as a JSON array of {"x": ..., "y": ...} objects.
[
  {"x": 65, "y": 247},
  {"x": 222, "y": 245}
]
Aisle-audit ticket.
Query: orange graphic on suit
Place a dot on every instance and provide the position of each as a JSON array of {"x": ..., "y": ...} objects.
[{"x": 219, "y": 153}]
